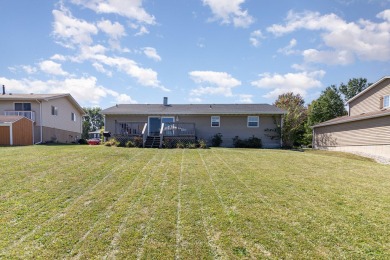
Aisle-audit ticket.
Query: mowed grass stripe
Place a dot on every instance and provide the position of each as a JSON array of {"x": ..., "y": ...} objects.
[
  {"x": 47, "y": 233},
  {"x": 40, "y": 198},
  {"x": 301, "y": 193}
]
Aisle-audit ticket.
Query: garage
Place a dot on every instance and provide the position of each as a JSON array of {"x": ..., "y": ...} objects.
[{"x": 16, "y": 130}]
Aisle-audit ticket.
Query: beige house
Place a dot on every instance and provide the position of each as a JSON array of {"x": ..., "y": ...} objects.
[
  {"x": 56, "y": 117},
  {"x": 366, "y": 129},
  {"x": 159, "y": 122}
]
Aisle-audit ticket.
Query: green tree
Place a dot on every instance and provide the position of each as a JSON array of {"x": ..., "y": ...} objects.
[
  {"x": 293, "y": 129},
  {"x": 353, "y": 87},
  {"x": 328, "y": 106},
  {"x": 92, "y": 121}
]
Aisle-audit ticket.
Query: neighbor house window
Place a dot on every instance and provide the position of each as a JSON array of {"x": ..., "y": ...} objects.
[
  {"x": 22, "y": 106},
  {"x": 386, "y": 101},
  {"x": 253, "y": 121},
  {"x": 215, "y": 121},
  {"x": 54, "y": 111},
  {"x": 73, "y": 117}
]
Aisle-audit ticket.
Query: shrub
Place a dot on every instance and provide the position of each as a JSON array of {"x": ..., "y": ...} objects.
[
  {"x": 202, "y": 144},
  {"x": 191, "y": 145},
  {"x": 112, "y": 142},
  {"x": 251, "y": 142},
  {"x": 82, "y": 141},
  {"x": 180, "y": 145},
  {"x": 138, "y": 141},
  {"x": 216, "y": 140},
  {"x": 130, "y": 143}
]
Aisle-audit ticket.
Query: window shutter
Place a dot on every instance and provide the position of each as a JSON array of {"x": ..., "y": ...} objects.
[{"x": 381, "y": 103}]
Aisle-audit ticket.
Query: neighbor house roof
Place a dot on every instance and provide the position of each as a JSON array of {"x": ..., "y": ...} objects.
[
  {"x": 370, "y": 87},
  {"x": 10, "y": 119},
  {"x": 345, "y": 119},
  {"x": 41, "y": 97},
  {"x": 192, "y": 109}
]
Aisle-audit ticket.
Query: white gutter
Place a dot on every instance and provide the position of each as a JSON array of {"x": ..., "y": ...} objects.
[{"x": 11, "y": 138}]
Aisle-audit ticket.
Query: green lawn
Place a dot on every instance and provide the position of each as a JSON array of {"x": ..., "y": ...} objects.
[{"x": 104, "y": 202}]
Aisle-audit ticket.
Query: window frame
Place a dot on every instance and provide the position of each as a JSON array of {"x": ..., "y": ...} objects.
[
  {"x": 54, "y": 111},
  {"x": 252, "y": 121},
  {"x": 213, "y": 119},
  {"x": 386, "y": 98},
  {"x": 73, "y": 117},
  {"x": 23, "y": 106}
]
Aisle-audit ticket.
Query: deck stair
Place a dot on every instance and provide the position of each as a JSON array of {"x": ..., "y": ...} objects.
[{"x": 152, "y": 142}]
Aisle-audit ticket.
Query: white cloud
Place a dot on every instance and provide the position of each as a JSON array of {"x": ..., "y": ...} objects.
[
  {"x": 229, "y": 11},
  {"x": 364, "y": 39},
  {"x": 217, "y": 83},
  {"x": 114, "y": 30},
  {"x": 85, "y": 89},
  {"x": 142, "y": 31},
  {"x": 100, "y": 68},
  {"x": 298, "y": 83},
  {"x": 124, "y": 99},
  {"x": 245, "y": 98},
  {"x": 51, "y": 67},
  {"x": 58, "y": 57},
  {"x": 29, "y": 69},
  {"x": 72, "y": 31},
  {"x": 195, "y": 100},
  {"x": 151, "y": 53},
  {"x": 255, "y": 38},
  {"x": 131, "y": 9},
  {"x": 289, "y": 49}
]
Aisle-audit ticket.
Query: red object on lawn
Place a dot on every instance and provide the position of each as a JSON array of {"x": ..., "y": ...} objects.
[{"x": 93, "y": 141}]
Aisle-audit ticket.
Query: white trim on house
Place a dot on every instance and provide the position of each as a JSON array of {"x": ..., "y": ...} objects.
[{"x": 386, "y": 99}]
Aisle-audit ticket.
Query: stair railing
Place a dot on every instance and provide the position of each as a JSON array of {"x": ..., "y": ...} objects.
[
  {"x": 161, "y": 135},
  {"x": 144, "y": 134}
]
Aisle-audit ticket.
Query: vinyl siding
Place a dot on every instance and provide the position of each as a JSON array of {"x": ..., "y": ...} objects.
[
  {"x": 63, "y": 120},
  {"x": 371, "y": 100},
  {"x": 374, "y": 131},
  {"x": 6, "y": 105}
]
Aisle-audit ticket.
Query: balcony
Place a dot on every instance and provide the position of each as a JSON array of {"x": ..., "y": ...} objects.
[{"x": 28, "y": 114}]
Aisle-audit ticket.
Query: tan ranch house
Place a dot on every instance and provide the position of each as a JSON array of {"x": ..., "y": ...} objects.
[
  {"x": 365, "y": 129},
  {"x": 55, "y": 117},
  {"x": 156, "y": 123}
]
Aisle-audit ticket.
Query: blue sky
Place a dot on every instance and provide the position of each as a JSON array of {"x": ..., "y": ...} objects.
[{"x": 106, "y": 52}]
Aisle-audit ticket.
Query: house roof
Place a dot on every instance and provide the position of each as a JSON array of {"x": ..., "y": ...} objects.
[
  {"x": 367, "y": 89},
  {"x": 345, "y": 119},
  {"x": 193, "y": 109},
  {"x": 9, "y": 119},
  {"x": 41, "y": 97}
]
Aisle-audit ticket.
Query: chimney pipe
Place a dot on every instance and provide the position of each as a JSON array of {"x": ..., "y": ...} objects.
[
  {"x": 3, "y": 90},
  {"x": 165, "y": 101}
]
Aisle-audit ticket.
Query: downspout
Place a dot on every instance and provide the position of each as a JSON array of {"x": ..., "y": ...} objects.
[
  {"x": 313, "y": 139},
  {"x": 11, "y": 138},
  {"x": 41, "y": 120}
]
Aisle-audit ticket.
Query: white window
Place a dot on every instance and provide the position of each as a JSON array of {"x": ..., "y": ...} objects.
[
  {"x": 54, "y": 111},
  {"x": 215, "y": 121},
  {"x": 386, "y": 101},
  {"x": 253, "y": 121},
  {"x": 73, "y": 116}
]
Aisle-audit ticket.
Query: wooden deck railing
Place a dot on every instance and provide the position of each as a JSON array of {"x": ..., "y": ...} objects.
[
  {"x": 178, "y": 129},
  {"x": 129, "y": 128}
]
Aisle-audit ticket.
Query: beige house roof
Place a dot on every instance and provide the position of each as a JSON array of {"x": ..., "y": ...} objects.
[
  {"x": 345, "y": 119},
  {"x": 41, "y": 97}
]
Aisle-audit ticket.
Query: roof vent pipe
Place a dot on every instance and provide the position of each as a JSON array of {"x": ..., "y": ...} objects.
[
  {"x": 3, "y": 90},
  {"x": 165, "y": 101}
]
